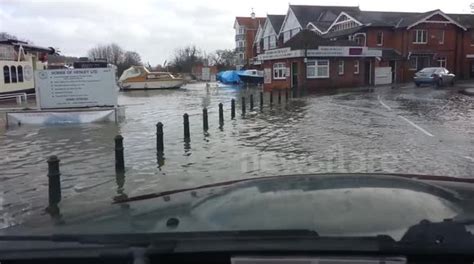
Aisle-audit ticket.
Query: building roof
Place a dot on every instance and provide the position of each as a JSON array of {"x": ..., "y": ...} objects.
[
  {"x": 276, "y": 21},
  {"x": 335, "y": 34},
  {"x": 249, "y": 22},
  {"x": 307, "y": 39},
  {"x": 389, "y": 54},
  {"x": 319, "y": 14}
]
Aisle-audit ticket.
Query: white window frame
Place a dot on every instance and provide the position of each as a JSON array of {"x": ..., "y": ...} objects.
[
  {"x": 442, "y": 62},
  {"x": 340, "y": 67},
  {"x": 356, "y": 67},
  {"x": 419, "y": 36},
  {"x": 416, "y": 64},
  {"x": 377, "y": 38},
  {"x": 316, "y": 66},
  {"x": 272, "y": 42},
  {"x": 241, "y": 30},
  {"x": 441, "y": 41},
  {"x": 279, "y": 71}
]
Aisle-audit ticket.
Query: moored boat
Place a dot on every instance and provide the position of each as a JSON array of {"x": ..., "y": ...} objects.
[
  {"x": 139, "y": 78},
  {"x": 18, "y": 61},
  {"x": 251, "y": 76}
]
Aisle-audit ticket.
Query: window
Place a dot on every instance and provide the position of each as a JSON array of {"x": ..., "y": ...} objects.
[
  {"x": 341, "y": 67},
  {"x": 442, "y": 62},
  {"x": 20, "y": 74},
  {"x": 272, "y": 42},
  {"x": 241, "y": 30},
  {"x": 279, "y": 71},
  {"x": 413, "y": 63},
  {"x": 241, "y": 56},
  {"x": 420, "y": 36},
  {"x": 258, "y": 47},
  {"x": 317, "y": 69},
  {"x": 266, "y": 44},
  {"x": 441, "y": 37},
  {"x": 379, "y": 38},
  {"x": 13, "y": 74},
  {"x": 356, "y": 67},
  {"x": 359, "y": 40},
  {"x": 6, "y": 74}
]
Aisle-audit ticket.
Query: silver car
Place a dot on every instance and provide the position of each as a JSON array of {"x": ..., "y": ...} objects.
[{"x": 437, "y": 76}]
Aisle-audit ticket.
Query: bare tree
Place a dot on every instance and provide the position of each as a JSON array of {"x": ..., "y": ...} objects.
[
  {"x": 185, "y": 58},
  {"x": 6, "y": 35},
  {"x": 223, "y": 59},
  {"x": 113, "y": 53}
]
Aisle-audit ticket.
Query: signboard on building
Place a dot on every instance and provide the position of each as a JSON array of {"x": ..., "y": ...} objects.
[
  {"x": 330, "y": 51},
  {"x": 267, "y": 75},
  {"x": 280, "y": 54},
  {"x": 76, "y": 88},
  {"x": 206, "y": 74},
  {"x": 383, "y": 75}
]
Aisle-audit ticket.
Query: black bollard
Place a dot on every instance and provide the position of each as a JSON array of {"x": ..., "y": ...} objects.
[
  {"x": 279, "y": 96},
  {"x": 221, "y": 114},
  {"x": 119, "y": 160},
  {"x": 251, "y": 102},
  {"x": 186, "y": 126},
  {"x": 232, "y": 109},
  {"x": 159, "y": 138},
  {"x": 205, "y": 122},
  {"x": 286, "y": 96},
  {"x": 54, "y": 184},
  {"x": 271, "y": 97},
  {"x": 243, "y": 105},
  {"x": 261, "y": 101}
]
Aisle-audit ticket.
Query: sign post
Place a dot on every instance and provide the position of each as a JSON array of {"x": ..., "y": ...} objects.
[{"x": 75, "y": 88}]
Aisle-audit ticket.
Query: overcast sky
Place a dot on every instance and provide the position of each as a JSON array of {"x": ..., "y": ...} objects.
[{"x": 155, "y": 29}]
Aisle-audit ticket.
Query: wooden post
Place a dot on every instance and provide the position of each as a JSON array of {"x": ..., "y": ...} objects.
[
  {"x": 251, "y": 102},
  {"x": 271, "y": 97},
  {"x": 243, "y": 105},
  {"x": 261, "y": 101},
  {"x": 286, "y": 96},
  {"x": 186, "y": 126},
  {"x": 221, "y": 114},
  {"x": 205, "y": 121},
  {"x": 159, "y": 138},
  {"x": 232, "y": 109},
  {"x": 54, "y": 183},
  {"x": 119, "y": 157},
  {"x": 279, "y": 96}
]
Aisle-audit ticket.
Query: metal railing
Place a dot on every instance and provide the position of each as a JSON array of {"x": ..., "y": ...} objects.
[{"x": 20, "y": 97}]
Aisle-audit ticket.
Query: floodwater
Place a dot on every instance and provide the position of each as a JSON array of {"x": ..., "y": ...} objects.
[{"x": 418, "y": 131}]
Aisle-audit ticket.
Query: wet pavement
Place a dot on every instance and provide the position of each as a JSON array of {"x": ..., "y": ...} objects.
[{"x": 399, "y": 130}]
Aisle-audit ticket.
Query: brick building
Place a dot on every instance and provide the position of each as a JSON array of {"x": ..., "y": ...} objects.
[
  {"x": 246, "y": 29},
  {"x": 394, "y": 46}
]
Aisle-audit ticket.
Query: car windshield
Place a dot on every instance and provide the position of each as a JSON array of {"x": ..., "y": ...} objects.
[{"x": 134, "y": 116}]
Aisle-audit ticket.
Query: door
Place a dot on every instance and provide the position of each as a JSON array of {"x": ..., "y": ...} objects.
[
  {"x": 368, "y": 72},
  {"x": 393, "y": 65},
  {"x": 423, "y": 62},
  {"x": 471, "y": 72},
  {"x": 294, "y": 75}
]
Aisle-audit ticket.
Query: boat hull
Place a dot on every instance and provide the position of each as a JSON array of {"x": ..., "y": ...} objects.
[
  {"x": 165, "y": 84},
  {"x": 251, "y": 79}
]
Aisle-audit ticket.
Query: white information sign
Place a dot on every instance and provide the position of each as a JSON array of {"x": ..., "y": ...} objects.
[
  {"x": 71, "y": 88},
  {"x": 280, "y": 54},
  {"x": 267, "y": 75},
  {"x": 383, "y": 75}
]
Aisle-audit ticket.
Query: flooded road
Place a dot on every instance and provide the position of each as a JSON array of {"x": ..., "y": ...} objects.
[{"x": 418, "y": 131}]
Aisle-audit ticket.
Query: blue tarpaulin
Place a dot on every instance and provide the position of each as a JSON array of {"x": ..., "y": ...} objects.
[{"x": 229, "y": 77}]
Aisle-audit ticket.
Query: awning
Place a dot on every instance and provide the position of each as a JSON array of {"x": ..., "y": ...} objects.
[{"x": 389, "y": 54}]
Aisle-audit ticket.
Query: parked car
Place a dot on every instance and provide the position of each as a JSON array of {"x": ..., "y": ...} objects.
[{"x": 437, "y": 76}]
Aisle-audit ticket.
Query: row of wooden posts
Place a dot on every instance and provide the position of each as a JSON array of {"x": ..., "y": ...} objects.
[{"x": 54, "y": 175}]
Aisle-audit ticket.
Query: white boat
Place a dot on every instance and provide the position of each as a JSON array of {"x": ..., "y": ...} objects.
[
  {"x": 138, "y": 77},
  {"x": 18, "y": 61}
]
